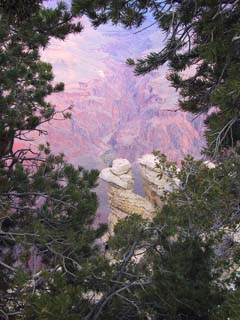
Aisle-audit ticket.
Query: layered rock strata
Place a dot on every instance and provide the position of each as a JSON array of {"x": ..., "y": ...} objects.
[{"x": 122, "y": 200}]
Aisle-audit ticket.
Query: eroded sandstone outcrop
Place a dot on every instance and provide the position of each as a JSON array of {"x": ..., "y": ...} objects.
[
  {"x": 122, "y": 200},
  {"x": 155, "y": 180}
]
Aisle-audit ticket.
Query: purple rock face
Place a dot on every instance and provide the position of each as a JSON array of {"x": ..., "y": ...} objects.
[{"x": 116, "y": 114}]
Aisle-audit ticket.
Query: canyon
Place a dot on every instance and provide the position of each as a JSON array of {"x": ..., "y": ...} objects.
[{"x": 116, "y": 114}]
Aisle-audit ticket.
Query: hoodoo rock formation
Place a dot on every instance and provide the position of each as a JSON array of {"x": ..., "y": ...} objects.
[{"x": 123, "y": 201}]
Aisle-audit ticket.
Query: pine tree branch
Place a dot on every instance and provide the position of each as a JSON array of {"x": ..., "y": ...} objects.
[{"x": 8, "y": 267}]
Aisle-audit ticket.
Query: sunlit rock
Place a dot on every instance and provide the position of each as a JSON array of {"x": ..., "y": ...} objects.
[
  {"x": 122, "y": 200},
  {"x": 119, "y": 175}
]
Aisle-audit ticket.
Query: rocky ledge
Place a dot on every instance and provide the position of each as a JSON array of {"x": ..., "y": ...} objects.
[{"x": 122, "y": 200}]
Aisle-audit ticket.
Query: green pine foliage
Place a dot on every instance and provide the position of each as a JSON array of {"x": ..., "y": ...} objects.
[
  {"x": 26, "y": 80},
  {"x": 230, "y": 308},
  {"x": 181, "y": 265},
  {"x": 184, "y": 264},
  {"x": 48, "y": 247}
]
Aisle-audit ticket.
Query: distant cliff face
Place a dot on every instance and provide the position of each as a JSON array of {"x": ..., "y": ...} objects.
[
  {"x": 123, "y": 117},
  {"x": 116, "y": 114}
]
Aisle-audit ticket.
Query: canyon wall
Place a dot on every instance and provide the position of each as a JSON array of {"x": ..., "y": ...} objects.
[{"x": 116, "y": 114}]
